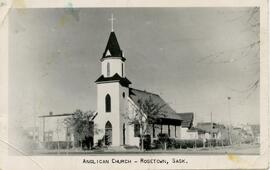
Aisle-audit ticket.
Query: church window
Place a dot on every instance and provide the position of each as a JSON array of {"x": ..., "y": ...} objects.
[
  {"x": 108, "y": 53},
  {"x": 108, "y": 103},
  {"x": 123, "y": 94},
  {"x": 108, "y": 69},
  {"x": 122, "y": 69},
  {"x": 136, "y": 130},
  {"x": 108, "y": 133},
  {"x": 124, "y": 134}
]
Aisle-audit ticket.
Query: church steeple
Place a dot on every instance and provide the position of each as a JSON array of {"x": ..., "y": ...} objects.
[
  {"x": 112, "y": 48},
  {"x": 112, "y": 95},
  {"x": 113, "y": 63}
]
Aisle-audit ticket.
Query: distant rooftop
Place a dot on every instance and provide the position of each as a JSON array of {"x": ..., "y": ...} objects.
[
  {"x": 206, "y": 126},
  {"x": 187, "y": 119},
  {"x": 57, "y": 115}
]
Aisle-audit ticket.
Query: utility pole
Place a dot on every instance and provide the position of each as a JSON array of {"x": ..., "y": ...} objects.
[
  {"x": 43, "y": 128},
  {"x": 211, "y": 130},
  {"x": 230, "y": 120}
]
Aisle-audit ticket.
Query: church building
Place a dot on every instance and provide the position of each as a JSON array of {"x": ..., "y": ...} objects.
[{"x": 116, "y": 101}]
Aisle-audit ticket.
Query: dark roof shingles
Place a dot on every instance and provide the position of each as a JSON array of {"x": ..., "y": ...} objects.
[
  {"x": 58, "y": 115},
  {"x": 187, "y": 119},
  {"x": 167, "y": 111},
  {"x": 122, "y": 80}
]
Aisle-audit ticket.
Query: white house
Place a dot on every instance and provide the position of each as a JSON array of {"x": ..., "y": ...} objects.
[
  {"x": 53, "y": 128},
  {"x": 213, "y": 130}
]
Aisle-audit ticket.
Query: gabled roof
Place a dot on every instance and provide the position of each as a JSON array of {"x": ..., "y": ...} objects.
[
  {"x": 167, "y": 112},
  {"x": 122, "y": 80},
  {"x": 113, "y": 48},
  {"x": 187, "y": 119},
  {"x": 194, "y": 129},
  {"x": 58, "y": 115},
  {"x": 206, "y": 126}
]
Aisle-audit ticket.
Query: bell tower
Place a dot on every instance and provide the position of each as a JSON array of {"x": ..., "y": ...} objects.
[
  {"x": 112, "y": 94},
  {"x": 112, "y": 60}
]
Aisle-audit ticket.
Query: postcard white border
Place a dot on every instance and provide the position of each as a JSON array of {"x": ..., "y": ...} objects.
[{"x": 195, "y": 161}]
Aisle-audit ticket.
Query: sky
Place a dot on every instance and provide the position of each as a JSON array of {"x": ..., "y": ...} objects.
[{"x": 194, "y": 58}]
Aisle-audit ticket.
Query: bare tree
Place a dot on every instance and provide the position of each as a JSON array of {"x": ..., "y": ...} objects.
[{"x": 145, "y": 113}]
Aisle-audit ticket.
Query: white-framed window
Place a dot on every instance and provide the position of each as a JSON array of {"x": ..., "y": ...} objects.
[{"x": 108, "y": 69}]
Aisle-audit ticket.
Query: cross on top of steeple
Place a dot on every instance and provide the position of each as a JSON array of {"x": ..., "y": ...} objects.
[
  {"x": 112, "y": 49},
  {"x": 112, "y": 19}
]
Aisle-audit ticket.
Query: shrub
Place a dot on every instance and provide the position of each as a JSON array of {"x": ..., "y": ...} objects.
[
  {"x": 87, "y": 143},
  {"x": 100, "y": 143},
  {"x": 171, "y": 143},
  {"x": 163, "y": 139},
  {"x": 184, "y": 143},
  {"x": 54, "y": 145},
  {"x": 222, "y": 142},
  {"x": 184, "y": 146},
  {"x": 146, "y": 142},
  {"x": 199, "y": 143},
  {"x": 156, "y": 144},
  {"x": 177, "y": 144},
  {"x": 180, "y": 144},
  {"x": 188, "y": 143},
  {"x": 226, "y": 142}
]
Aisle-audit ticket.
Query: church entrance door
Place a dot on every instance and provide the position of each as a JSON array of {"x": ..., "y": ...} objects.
[{"x": 108, "y": 133}]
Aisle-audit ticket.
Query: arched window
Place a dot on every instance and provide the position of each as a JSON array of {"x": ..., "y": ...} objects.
[
  {"x": 108, "y": 103},
  {"x": 122, "y": 70},
  {"x": 124, "y": 134},
  {"x": 108, "y": 133},
  {"x": 108, "y": 69}
]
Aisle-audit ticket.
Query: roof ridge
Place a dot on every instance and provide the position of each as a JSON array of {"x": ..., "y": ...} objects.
[
  {"x": 56, "y": 115},
  {"x": 144, "y": 91}
]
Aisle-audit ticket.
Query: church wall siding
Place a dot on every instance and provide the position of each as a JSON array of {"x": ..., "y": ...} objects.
[
  {"x": 123, "y": 112},
  {"x": 114, "y": 117},
  {"x": 131, "y": 139},
  {"x": 178, "y": 132}
]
